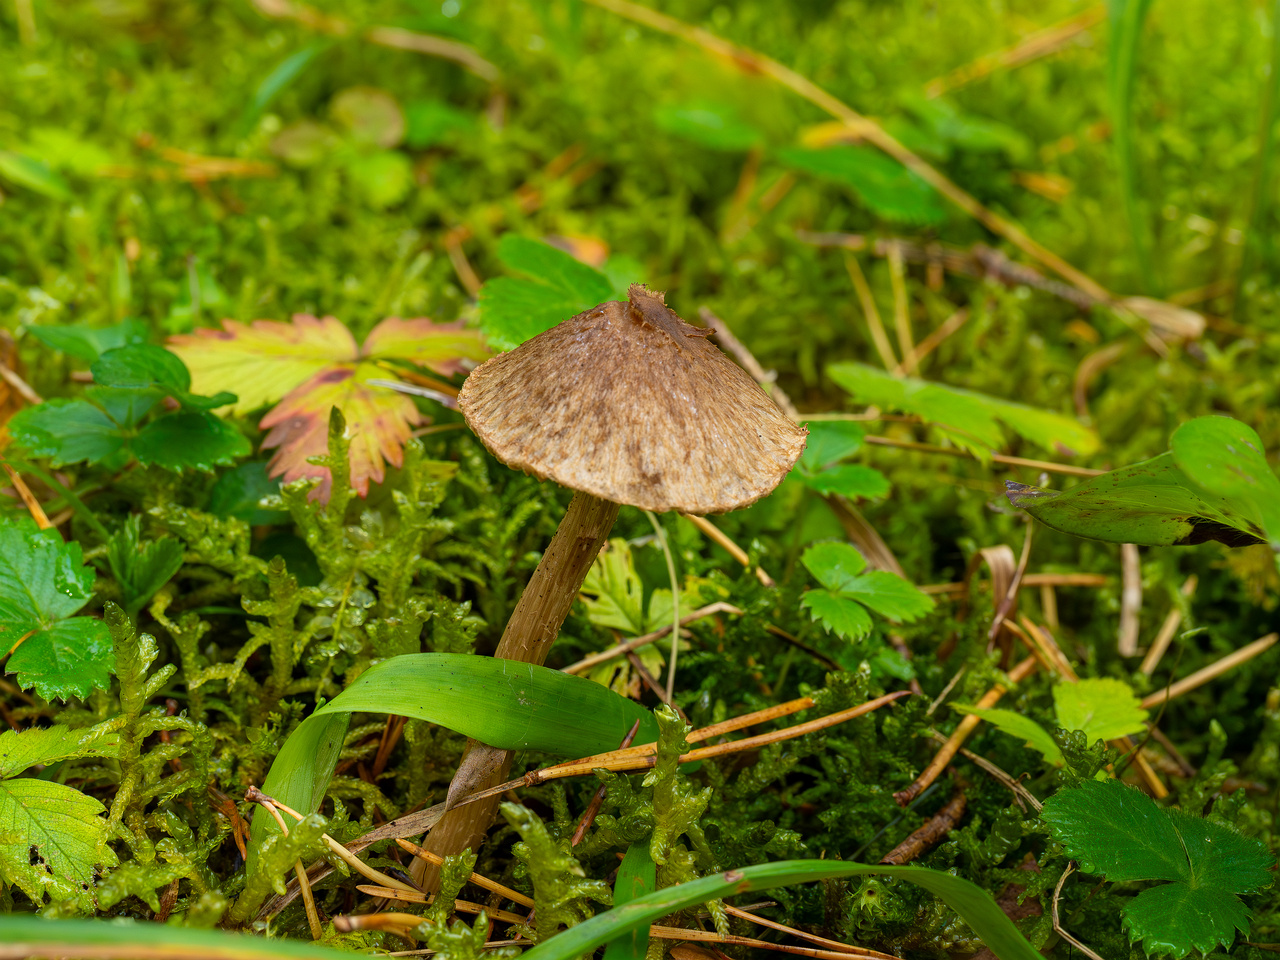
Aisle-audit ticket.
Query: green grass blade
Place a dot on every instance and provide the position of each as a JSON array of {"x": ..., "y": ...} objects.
[
  {"x": 1257, "y": 243},
  {"x": 637, "y": 877},
  {"x": 1126, "y": 18},
  {"x": 973, "y": 903},
  {"x": 36, "y": 937}
]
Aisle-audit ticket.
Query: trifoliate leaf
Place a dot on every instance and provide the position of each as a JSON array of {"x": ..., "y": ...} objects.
[
  {"x": 1152, "y": 503},
  {"x": 968, "y": 418},
  {"x": 66, "y": 431},
  {"x": 89, "y": 343},
  {"x": 851, "y": 480},
  {"x": 197, "y": 441},
  {"x": 1017, "y": 725},
  {"x": 559, "y": 287},
  {"x": 312, "y": 365},
  {"x": 43, "y": 581},
  {"x": 1223, "y": 457},
  {"x": 1118, "y": 832},
  {"x": 20, "y": 750},
  {"x": 843, "y": 617},
  {"x": 1103, "y": 707},
  {"x": 51, "y": 840},
  {"x": 141, "y": 568},
  {"x": 834, "y": 564},
  {"x": 888, "y": 595},
  {"x": 888, "y": 188}
]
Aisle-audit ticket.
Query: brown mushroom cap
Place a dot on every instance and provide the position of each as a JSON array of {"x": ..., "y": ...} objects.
[{"x": 629, "y": 403}]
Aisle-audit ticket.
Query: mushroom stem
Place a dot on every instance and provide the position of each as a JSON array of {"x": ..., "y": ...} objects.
[{"x": 528, "y": 636}]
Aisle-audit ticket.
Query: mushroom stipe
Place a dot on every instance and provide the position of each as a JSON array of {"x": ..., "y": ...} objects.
[{"x": 625, "y": 404}]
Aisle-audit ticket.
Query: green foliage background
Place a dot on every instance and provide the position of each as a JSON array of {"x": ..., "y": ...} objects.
[{"x": 606, "y": 120}]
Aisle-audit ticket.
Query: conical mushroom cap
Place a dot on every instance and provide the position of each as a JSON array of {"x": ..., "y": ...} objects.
[{"x": 630, "y": 403}]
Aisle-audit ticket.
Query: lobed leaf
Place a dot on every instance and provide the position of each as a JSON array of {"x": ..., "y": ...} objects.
[
  {"x": 66, "y": 431},
  {"x": 834, "y": 564},
  {"x": 830, "y": 441},
  {"x": 844, "y": 617},
  {"x": 852, "y": 480},
  {"x": 52, "y": 839},
  {"x": 1103, "y": 707},
  {"x": 89, "y": 343}
]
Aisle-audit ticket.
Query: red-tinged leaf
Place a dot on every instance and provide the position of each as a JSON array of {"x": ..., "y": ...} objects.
[
  {"x": 441, "y": 347},
  {"x": 379, "y": 423},
  {"x": 261, "y": 362}
]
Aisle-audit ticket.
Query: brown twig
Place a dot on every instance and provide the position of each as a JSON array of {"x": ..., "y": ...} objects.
[
  {"x": 1030, "y": 580},
  {"x": 593, "y": 808},
  {"x": 1024, "y": 796},
  {"x": 1045, "y": 465},
  {"x": 28, "y": 498},
  {"x": 515, "y": 896},
  {"x": 20, "y": 386},
  {"x": 812, "y": 938},
  {"x": 965, "y": 727},
  {"x": 929, "y": 833}
]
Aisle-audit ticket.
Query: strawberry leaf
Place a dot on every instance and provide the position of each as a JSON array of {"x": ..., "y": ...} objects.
[
  {"x": 89, "y": 343},
  {"x": 199, "y": 441},
  {"x": 844, "y": 617},
  {"x": 379, "y": 423},
  {"x": 66, "y": 431},
  {"x": 559, "y": 287},
  {"x": 1103, "y": 707},
  {"x": 830, "y": 441},
  {"x": 851, "y": 480},
  {"x": 834, "y": 564},
  {"x": 1119, "y": 832},
  {"x": 141, "y": 568},
  {"x": 148, "y": 368}
]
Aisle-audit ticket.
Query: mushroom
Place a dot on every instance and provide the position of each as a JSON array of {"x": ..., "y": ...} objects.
[{"x": 625, "y": 403}]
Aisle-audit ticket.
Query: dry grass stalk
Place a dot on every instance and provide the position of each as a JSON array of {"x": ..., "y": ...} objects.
[
  {"x": 812, "y": 938},
  {"x": 1215, "y": 669},
  {"x": 28, "y": 498},
  {"x": 960, "y": 588},
  {"x": 1045, "y": 465},
  {"x": 902, "y": 312},
  {"x": 879, "y": 338},
  {"x": 718, "y": 536},
  {"x": 1172, "y": 621},
  {"x": 515, "y": 896},
  {"x": 586, "y": 663},
  {"x": 1130, "y": 599},
  {"x": 931, "y": 342}
]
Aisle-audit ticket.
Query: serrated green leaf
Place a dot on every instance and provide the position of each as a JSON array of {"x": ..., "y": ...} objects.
[
  {"x": 886, "y": 186},
  {"x": 1224, "y": 458},
  {"x": 851, "y": 480},
  {"x": 66, "y": 431},
  {"x": 1206, "y": 917},
  {"x": 198, "y": 441},
  {"x": 1017, "y": 725},
  {"x": 843, "y": 617},
  {"x": 711, "y": 125},
  {"x": 1152, "y": 503},
  {"x": 888, "y": 595},
  {"x": 59, "y": 848},
  {"x": 89, "y": 343},
  {"x": 559, "y": 287},
  {"x": 20, "y": 749},
  {"x": 1119, "y": 832},
  {"x": 72, "y": 658},
  {"x": 141, "y": 568},
  {"x": 835, "y": 565},
  {"x": 830, "y": 441},
  {"x": 969, "y": 418},
  {"x": 1103, "y": 707}
]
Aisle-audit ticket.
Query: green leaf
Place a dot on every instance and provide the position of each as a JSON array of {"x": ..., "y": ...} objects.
[
  {"x": 86, "y": 937},
  {"x": 888, "y": 595},
  {"x": 710, "y": 125},
  {"x": 42, "y": 582},
  {"x": 89, "y": 343},
  {"x": 52, "y": 839},
  {"x": 239, "y": 493},
  {"x": 830, "y": 441},
  {"x": 32, "y": 174},
  {"x": 1152, "y": 503},
  {"x": 144, "y": 366},
  {"x": 1017, "y": 725},
  {"x": 888, "y": 188},
  {"x": 141, "y": 568},
  {"x": 511, "y": 705},
  {"x": 429, "y": 122},
  {"x": 1119, "y": 832},
  {"x": 1224, "y": 458},
  {"x": 851, "y": 480},
  {"x": 199, "y": 441},
  {"x": 835, "y": 565},
  {"x": 974, "y": 905},
  {"x": 66, "y": 431},
  {"x": 1103, "y": 707},
  {"x": 27, "y": 748},
  {"x": 612, "y": 591},
  {"x": 637, "y": 877},
  {"x": 384, "y": 177},
  {"x": 559, "y": 287},
  {"x": 843, "y": 617},
  {"x": 72, "y": 658},
  {"x": 969, "y": 418},
  {"x": 274, "y": 83}
]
